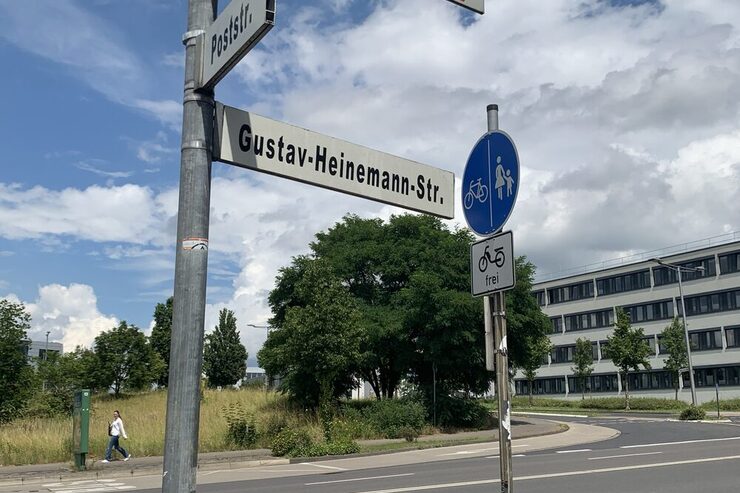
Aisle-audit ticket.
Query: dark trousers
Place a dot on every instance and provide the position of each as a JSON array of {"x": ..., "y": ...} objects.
[{"x": 113, "y": 444}]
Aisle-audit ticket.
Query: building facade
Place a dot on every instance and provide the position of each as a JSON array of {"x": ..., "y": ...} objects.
[
  {"x": 37, "y": 350},
  {"x": 584, "y": 306}
]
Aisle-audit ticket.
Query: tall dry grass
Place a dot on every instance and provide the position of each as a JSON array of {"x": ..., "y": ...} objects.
[{"x": 37, "y": 441}]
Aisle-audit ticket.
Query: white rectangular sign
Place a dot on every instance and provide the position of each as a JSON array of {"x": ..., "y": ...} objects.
[
  {"x": 241, "y": 25},
  {"x": 266, "y": 145},
  {"x": 492, "y": 264},
  {"x": 474, "y": 5}
]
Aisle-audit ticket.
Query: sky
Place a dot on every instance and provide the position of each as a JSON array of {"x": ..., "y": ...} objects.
[{"x": 625, "y": 114}]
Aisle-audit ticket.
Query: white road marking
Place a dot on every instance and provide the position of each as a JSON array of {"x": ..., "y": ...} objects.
[
  {"x": 89, "y": 486},
  {"x": 623, "y": 455},
  {"x": 478, "y": 450},
  {"x": 440, "y": 486},
  {"x": 573, "y": 451},
  {"x": 323, "y": 466},
  {"x": 360, "y": 479},
  {"x": 663, "y": 444}
]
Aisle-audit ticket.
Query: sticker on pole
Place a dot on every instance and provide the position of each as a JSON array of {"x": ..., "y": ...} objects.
[
  {"x": 492, "y": 264},
  {"x": 490, "y": 183}
]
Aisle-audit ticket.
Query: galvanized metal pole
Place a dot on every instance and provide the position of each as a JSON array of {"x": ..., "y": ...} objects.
[
  {"x": 191, "y": 261},
  {"x": 502, "y": 362},
  {"x": 686, "y": 336}
]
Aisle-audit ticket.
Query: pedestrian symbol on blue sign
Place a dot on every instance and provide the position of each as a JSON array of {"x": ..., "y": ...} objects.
[{"x": 490, "y": 183}]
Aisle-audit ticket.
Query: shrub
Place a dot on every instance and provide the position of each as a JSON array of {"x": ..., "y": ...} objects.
[
  {"x": 692, "y": 413},
  {"x": 291, "y": 443},
  {"x": 391, "y": 417},
  {"x": 242, "y": 431},
  {"x": 724, "y": 405},
  {"x": 458, "y": 412}
]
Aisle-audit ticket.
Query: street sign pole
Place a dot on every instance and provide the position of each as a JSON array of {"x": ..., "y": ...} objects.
[
  {"x": 502, "y": 360},
  {"x": 191, "y": 261}
]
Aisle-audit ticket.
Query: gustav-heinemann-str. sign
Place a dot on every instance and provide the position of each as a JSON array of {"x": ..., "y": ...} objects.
[{"x": 266, "y": 145}]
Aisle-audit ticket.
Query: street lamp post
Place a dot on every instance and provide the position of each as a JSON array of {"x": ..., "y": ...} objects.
[{"x": 678, "y": 269}]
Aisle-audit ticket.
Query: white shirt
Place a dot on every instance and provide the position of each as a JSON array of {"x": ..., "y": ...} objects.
[{"x": 116, "y": 428}]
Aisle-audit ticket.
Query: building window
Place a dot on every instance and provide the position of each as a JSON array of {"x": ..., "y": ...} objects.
[
  {"x": 562, "y": 354},
  {"x": 647, "y": 312},
  {"x": 650, "y": 380},
  {"x": 589, "y": 320},
  {"x": 705, "y": 340},
  {"x": 594, "y": 351},
  {"x": 625, "y": 282},
  {"x": 651, "y": 342},
  {"x": 540, "y": 297},
  {"x": 733, "y": 336},
  {"x": 667, "y": 275},
  {"x": 723, "y": 376},
  {"x": 541, "y": 386},
  {"x": 712, "y": 302},
  {"x": 572, "y": 292},
  {"x": 594, "y": 383},
  {"x": 729, "y": 263},
  {"x": 557, "y": 325},
  {"x": 604, "y": 351}
]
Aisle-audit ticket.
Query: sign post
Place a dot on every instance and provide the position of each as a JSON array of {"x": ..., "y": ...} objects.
[
  {"x": 489, "y": 190},
  {"x": 81, "y": 428}
]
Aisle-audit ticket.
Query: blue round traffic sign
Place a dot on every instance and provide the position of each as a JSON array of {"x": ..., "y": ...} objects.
[{"x": 490, "y": 183}]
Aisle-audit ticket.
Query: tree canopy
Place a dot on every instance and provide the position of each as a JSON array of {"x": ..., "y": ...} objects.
[
  {"x": 224, "y": 356},
  {"x": 628, "y": 350},
  {"x": 125, "y": 359},
  {"x": 674, "y": 342},
  {"x": 408, "y": 279},
  {"x": 314, "y": 346},
  {"x": 583, "y": 362},
  {"x": 161, "y": 337},
  {"x": 16, "y": 375}
]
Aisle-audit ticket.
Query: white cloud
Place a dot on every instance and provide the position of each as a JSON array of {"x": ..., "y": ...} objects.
[{"x": 69, "y": 313}]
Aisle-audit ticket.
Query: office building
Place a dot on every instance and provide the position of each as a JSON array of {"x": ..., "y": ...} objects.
[{"x": 583, "y": 305}]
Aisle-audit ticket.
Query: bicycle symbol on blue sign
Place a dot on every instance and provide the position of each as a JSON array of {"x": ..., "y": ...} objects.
[{"x": 490, "y": 183}]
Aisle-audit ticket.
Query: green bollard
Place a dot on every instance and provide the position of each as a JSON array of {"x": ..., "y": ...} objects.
[{"x": 81, "y": 428}]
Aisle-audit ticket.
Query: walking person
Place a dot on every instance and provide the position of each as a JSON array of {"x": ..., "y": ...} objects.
[{"x": 116, "y": 430}]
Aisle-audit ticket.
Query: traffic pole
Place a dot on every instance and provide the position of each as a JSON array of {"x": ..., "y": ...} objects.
[
  {"x": 498, "y": 313},
  {"x": 191, "y": 262}
]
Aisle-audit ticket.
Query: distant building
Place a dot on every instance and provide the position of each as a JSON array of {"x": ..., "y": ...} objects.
[
  {"x": 254, "y": 374},
  {"x": 35, "y": 350},
  {"x": 584, "y": 305}
]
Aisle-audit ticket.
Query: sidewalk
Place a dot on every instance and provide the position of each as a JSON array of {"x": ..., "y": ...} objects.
[{"x": 140, "y": 466}]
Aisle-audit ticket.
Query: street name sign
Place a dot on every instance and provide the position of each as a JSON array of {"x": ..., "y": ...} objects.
[
  {"x": 474, "y": 5},
  {"x": 262, "y": 144},
  {"x": 492, "y": 264},
  {"x": 490, "y": 183},
  {"x": 241, "y": 25}
]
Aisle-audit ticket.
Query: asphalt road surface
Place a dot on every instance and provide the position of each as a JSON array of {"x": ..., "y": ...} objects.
[{"x": 648, "y": 455}]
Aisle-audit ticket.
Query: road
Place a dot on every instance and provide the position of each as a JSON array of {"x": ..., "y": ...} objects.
[{"x": 648, "y": 455}]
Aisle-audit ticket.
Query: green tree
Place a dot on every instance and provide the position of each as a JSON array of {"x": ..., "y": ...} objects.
[
  {"x": 162, "y": 336},
  {"x": 16, "y": 375},
  {"x": 125, "y": 360},
  {"x": 527, "y": 327},
  {"x": 674, "y": 342},
  {"x": 315, "y": 342},
  {"x": 628, "y": 350},
  {"x": 537, "y": 349},
  {"x": 583, "y": 361},
  {"x": 224, "y": 356}
]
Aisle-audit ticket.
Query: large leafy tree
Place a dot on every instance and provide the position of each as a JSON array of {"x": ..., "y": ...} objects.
[
  {"x": 16, "y": 375},
  {"x": 527, "y": 327},
  {"x": 161, "y": 337},
  {"x": 628, "y": 350},
  {"x": 125, "y": 360},
  {"x": 674, "y": 342},
  {"x": 583, "y": 362},
  {"x": 224, "y": 356},
  {"x": 314, "y": 346}
]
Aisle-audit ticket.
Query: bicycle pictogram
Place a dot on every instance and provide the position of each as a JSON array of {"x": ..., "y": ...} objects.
[
  {"x": 476, "y": 190},
  {"x": 498, "y": 259}
]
